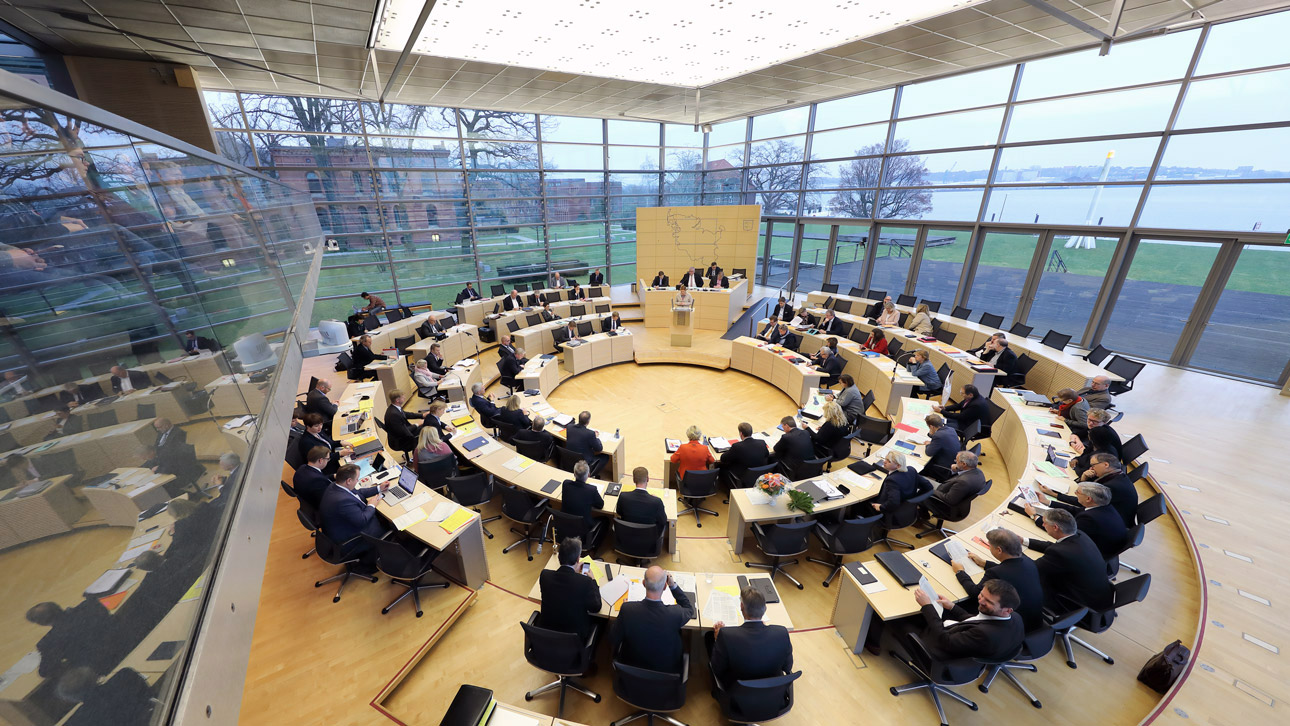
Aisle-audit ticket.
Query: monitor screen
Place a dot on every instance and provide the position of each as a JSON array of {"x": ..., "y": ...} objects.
[{"x": 408, "y": 479}]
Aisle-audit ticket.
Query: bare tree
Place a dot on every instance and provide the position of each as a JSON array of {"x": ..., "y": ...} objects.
[
  {"x": 904, "y": 175},
  {"x": 776, "y": 172}
]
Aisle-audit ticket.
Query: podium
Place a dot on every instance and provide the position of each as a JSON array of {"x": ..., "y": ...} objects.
[{"x": 682, "y": 327}]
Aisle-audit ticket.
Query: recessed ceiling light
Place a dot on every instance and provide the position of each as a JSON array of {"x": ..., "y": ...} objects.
[{"x": 634, "y": 40}]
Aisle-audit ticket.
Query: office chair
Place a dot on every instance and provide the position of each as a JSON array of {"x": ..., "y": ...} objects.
[
  {"x": 1148, "y": 511},
  {"x": 512, "y": 326},
  {"x": 402, "y": 344},
  {"x": 933, "y": 306},
  {"x": 100, "y": 419},
  {"x": 145, "y": 411},
  {"x": 436, "y": 472},
  {"x": 848, "y": 537},
  {"x": 696, "y": 486},
  {"x": 574, "y": 525},
  {"x": 944, "y": 513},
  {"x": 1097, "y": 355},
  {"x": 937, "y": 676},
  {"x": 473, "y": 491},
  {"x": 755, "y": 700},
  {"x": 906, "y": 301},
  {"x": 1132, "y": 538},
  {"x": 568, "y": 458},
  {"x": 961, "y": 312},
  {"x": 905, "y": 515},
  {"x": 497, "y": 290},
  {"x": 526, "y": 510},
  {"x": 306, "y": 513},
  {"x": 1038, "y": 643},
  {"x": 407, "y": 568},
  {"x": 506, "y": 432},
  {"x": 871, "y": 431},
  {"x": 945, "y": 336},
  {"x": 990, "y": 320},
  {"x": 828, "y": 288},
  {"x": 1127, "y": 592},
  {"x": 1126, "y": 369},
  {"x": 371, "y": 323},
  {"x": 1133, "y": 449},
  {"x": 534, "y": 450},
  {"x": 639, "y": 542},
  {"x": 1021, "y": 331},
  {"x": 811, "y": 468},
  {"x": 334, "y": 554},
  {"x": 1056, "y": 340},
  {"x": 779, "y": 540},
  {"x": 971, "y": 433},
  {"x": 1024, "y": 364},
  {"x": 656, "y": 694},
  {"x": 747, "y": 479},
  {"x": 564, "y": 655}
]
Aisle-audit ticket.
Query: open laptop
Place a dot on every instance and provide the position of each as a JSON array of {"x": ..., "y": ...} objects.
[
  {"x": 367, "y": 467},
  {"x": 407, "y": 484}
]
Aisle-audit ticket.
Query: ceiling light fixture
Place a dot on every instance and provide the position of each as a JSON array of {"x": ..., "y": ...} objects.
[{"x": 672, "y": 42}]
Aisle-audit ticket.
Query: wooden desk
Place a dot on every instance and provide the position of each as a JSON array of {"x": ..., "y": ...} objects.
[
  {"x": 132, "y": 491},
  {"x": 540, "y": 374},
  {"x": 51, "y": 511},
  {"x": 236, "y": 395},
  {"x": 500, "y": 323},
  {"x": 126, "y": 406},
  {"x": 460, "y": 378},
  {"x": 383, "y": 336},
  {"x": 98, "y": 451},
  {"x": 769, "y": 363},
  {"x": 600, "y": 349},
  {"x": 540, "y": 338},
  {"x": 31, "y": 429},
  {"x": 474, "y": 311},
  {"x": 744, "y": 512},
  {"x": 714, "y": 309},
  {"x": 461, "y": 341}
]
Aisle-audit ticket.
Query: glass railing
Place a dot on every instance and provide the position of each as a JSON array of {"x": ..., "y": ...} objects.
[{"x": 146, "y": 289}]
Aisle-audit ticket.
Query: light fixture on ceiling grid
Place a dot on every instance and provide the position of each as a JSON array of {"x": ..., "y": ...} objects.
[{"x": 671, "y": 42}]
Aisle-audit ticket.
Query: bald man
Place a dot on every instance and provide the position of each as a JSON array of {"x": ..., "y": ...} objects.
[{"x": 647, "y": 633}]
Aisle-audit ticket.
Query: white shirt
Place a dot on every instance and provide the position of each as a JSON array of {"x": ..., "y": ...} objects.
[{"x": 126, "y": 385}]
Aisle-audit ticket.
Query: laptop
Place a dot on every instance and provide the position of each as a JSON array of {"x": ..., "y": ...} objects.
[
  {"x": 407, "y": 484},
  {"x": 368, "y": 467}
]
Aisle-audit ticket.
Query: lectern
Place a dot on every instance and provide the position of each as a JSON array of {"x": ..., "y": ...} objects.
[{"x": 682, "y": 327}]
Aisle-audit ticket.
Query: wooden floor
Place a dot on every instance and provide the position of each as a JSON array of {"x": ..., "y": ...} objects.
[{"x": 315, "y": 662}]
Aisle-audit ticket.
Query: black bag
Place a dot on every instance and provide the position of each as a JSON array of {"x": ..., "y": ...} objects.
[
  {"x": 1164, "y": 668},
  {"x": 343, "y": 362}
]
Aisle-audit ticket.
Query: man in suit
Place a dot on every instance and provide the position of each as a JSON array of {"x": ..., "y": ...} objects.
[
  {"x": 965, "y": 483},
  {"x": 434, "y": 360},
  {"x": 72, "y": 396},
  {"x": 361, "y": 357},
  {"x": 482, "y": 403},
  {"x": 193, "y": 344},
  {"x": 1094, "y": 516},
  {"x": 901, "y": 484},
  {"x": 647, "y": 633},
  {"x": 1072, "y": 566},
  {"x": 782, "y": 336},
  {"x": 344, "y": 514},
  {"x": 569, "y": 593},
  {"x": 315, "y": 435},
  {"x": 316, "y": 401},
  {"x": 942, "y": 449},
  {"x": 468, "y": 293},
  {"x": 1098, "y": 395},
  {"x": 506, "y": 349},
  {"x": 511, "y": 366},
  {"x": 581, "y": 499},
  {"x": 71, "y": 630},
  {"x": 538, "y": 434},
  {"x": 558, "y": 282},
  {"x": 795, "y": 446},
  {"x": 712, "y": 273},
  {"x": 434, "y": 417},
  {"x": 433, "y": 326},
  {"x": 639, "y": 506},
  {"x": 123, "y": 380},
  {"x": 1109, "y": 472},
  {"x": 691, "y": 279},
  {"x": 1100, "y": 438},
  {"x": 65, "y": 424},
  {"x": 970, "y": 408},
  {"x": 596, "y": 278},
  {"x": 830, "y": 325},
  {"x": 720, "y": 281},
  {"x": 173, "y": 454},
  {"x": 400, "y": 434},
  {"x": 612, "y": 323},
  {"x": 987, "y": 352},
  {"x": 311, "y": 480},
  {"x": 783, "y": 310},
  {"x": 994, "y": 633},
  {"x": 831, "y": 343},
  {"x": 561, "y": 336},
  {"x": 750, "y": 651},
  {"x": 830, "y": 365},
  {"x": 1014, "y": 568},
  {"x": 743, "y": 455},
  {"x": 1006, "y": 360},
  {"x": 124, "y": 698},
  {"x": 513, "y": 301},
  {"x": 581, "y": 439},
  {"x": 660, "y": 280},
  {"x": 547, "y": 313}
]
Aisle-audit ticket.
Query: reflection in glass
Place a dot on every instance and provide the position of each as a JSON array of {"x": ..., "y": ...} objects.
[
  {"x": 857, "y": 141},
  {"x": 966, "y": 90},
  {"x": 1092, "y": 205},
  {"x": 854, "y": 110},
  {"x": 1163, "y": 58},
  {"x": 1254, "y": 299},
  {"x": 966, "y": 128},
  {"x": 848, "y": 256},
  {"x": 893, "y": 252},
  {"x": 572, "y": 156},
  {"x": 1246, "y": 99},
  {"x": 407, "y": 120},
  {"x": 1080, "y": 161},
  {"x": 1070, "y": 283},
  {"x": 1158, "y": 295},
  {"x": 1253, "y": 154},
  {"x": 1001, "y": 274},
  {"x": 950, "y": 205}
]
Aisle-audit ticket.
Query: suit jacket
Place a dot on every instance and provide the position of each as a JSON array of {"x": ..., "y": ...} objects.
[
  {"x": 174, "y": 456},
  {"x": 659, "y": 281},
  {"x": 435, "y": 364},
  {"x": 830, "y": 440},
  {"x": 1124, "y": 497},
  {"x": 1075, "y": 568},
  {"x": 569, "y": 599},
  {"x": 484, "y": 406},
  {"x": 943, "y": 447},
  {"x": 512, "y": 303},
  {"x": 749, "y": 651},
  {"x": 744, "y": 455},
  {"x": 506, "y": 351},
  {"x": 795, "y": 447},
  {"x": 75, "y": 397},
  {"x": 720, "y": 281},
  {"x": 515, "y": 418},
  {"x": 609, "y": 324},
  {"x": 1021, "y": 573},
  {"x": 400, "y": 434},
  {"x": 1006, "y": 361},
  {"x": 362, "y": 357},
  {"x": 580, "y": 499},
  {"x": 344, "y": 516},
  {"x": 138, "y": 379},
  {"x": 1096, "y": 399},
  {"x": 543, "y": 437},
  {"x": 548, "y": 316},
  {"x": 830, "y": 326},
  {"x": 987, "y": 639},
  {"x": 310, "y": 484},
  {"x": 1097, "y": 440},
  {"x": 695, "y": 280},
  {"x": 467, "y": 293},
  {"x": 1103, "y": 525},
  {"x": 562, "y": 334},
  {"x": 898, "y": 487},
  {"x": 124, "y": 698},
  {"x": 832, "y": 367},
  {"x": 596, "y": 278},
  {"x": 782, "y": 312},
  {"x": 647, "y": 633},
  {"x": 965, "y": 412},
  {"x": 65, "y": 645},
  {"x": 510, "y": 366},
  {"x": 307, "y": 441},
  {"x": 962, "y": 486},
  {"x": 641, "y": 507},
  {"x": 438, "y": 424},
  {"x": 777, "y": 338},
  {"x": 317, "y": 402},
  {"x": 583, "y": 440},
  {"x": 199, "y": 344}
]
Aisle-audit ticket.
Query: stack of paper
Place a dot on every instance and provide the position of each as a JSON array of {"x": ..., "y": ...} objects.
[
  {"x": 958, "y": 553},
  {"x": 457, "y": 520},
  {"x": 722, "y": 607},
  {"x": 441, "y": 511},
  {"x": 410, "y": 518},
  {"x": 925, "y": 585},
  {"x": 853, "y": 480},
  {"x": 614, "y": 590},
  {"x": 519, "y": 463}
]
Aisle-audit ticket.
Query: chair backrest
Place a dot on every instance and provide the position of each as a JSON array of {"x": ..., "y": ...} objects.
[
  {"x": 753, "y": 473},
  {"x": 788, "y": 538},
  {"x": 393, "y": 315},
  {"x": 505, "y": 431},
  {"x": 1133, "y": 448},
  {"x": 1132, "y": 590},
  {"x": 344, "y": 360},
  {"x": 855, "y": 292},
  {"x": 1020, "y": 330},
  {"x": 810, "y": 468},
  {"x": 946, "y": 336},
  {"x": 288, "y": 489},
  {"x": 293, "y": 456},
  {"x": 894, "y": 347},
  {"x": 699, "y": 483},
  {"x": 637, "y": 540},
  {"x": 828, "y": 288},
  {"x": 1151, "y": 509},
  {"x": 534, "y": 450},
  {"x": 568, "y": 525},
  {"x": 943, "y": 373},
  {"x": 907, "y": 513},
  {"x": 650, "y": 690},
  {"x": 844, "y": 329},
  {"x": 498, "y": 290},
  {"x": 567, "y": 458},
  {"x": 1125, "y": 368},
  {"x": 520, "y": 505},
  {"x": 402, "y": 344},
  {"x": 145, "y": 410},
  {"x": 854, "y": 535},
  {"x": 522, "y": 286},
  {"x": 394, "y": 559},
  {"x": 762, "y": 699},
  {"x": 585, "y": 328},
  {"x": 866, "y": 400},
  {"x": 971, "y": 432},
  {"x": 976, "y": 450},
  {"x": 992, "y": 412},
  {"x": 576, "y": 311},
  {"x": 370, "y": 323},
  {"x": 512, "y": 326},
  {"x": 435, "y": 472},
  {"x": 99, "y": 419},
  {"x": 1056, "y": 340},
  {"x": 961, "y": 312},
  {"x": 471, "y": 490},
  {"x": 873, "y": 430},
  {"x": 906, "y": 300},
  {"x": 1098, "y": 354},
  {"x": 990, "y": 320},
  {"x": 858, "y": 336},
  {"x": 554, "y": 651},
  {"x": 875, "y": 295},
  {"x": 1024, "y": 364},
  {"x": 601, "y": 309},
  {"x": 329, "y": 550}
]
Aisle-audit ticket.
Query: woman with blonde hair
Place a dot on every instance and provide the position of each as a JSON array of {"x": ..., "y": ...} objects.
[
  {"x": 430, "y": 447},
  {"x": 693, "y": 454},
  {"x": 831, "y": 438},
  {"x": 513, "y": 414},
  {"x": 921, "y": 323}
]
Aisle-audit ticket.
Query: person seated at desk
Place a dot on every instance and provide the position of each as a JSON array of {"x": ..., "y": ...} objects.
[
  {"x": 356, "y": 324},
  {"x": 434, "y": 418},
  {"x": 506, "y": 349},
  {"x": 557, "y": 282},
  {"x": 467, "y": 293},
  {"x": 830, "y": 365},
  {"x": 427, "y": 383},
  {"x": 969, "y": 409},
  {"x": 830, "y": 324},
  {"x": 567, "y": 334},
  {"x": 374, "y": 303},
  {"x": 783, "y": 310},
  {"x": 512, "y": 301},
  {"x": 1012, "y": 567},
  {"x": 1100, "y": 438},
  {"x": 125, "y": 698},
  {"x": 316, "y": 401},
  {"x": 921, "y": 323},
  {"x": 596, "y": 278},
  {"x": 514, "y": 414},
  {"x": 782, "y": 336},
  {"x": 1098, "y": 394},
  {"x": 995, "y": 632},
  {"x": 1093, "y": 516},
  {"x": 772, "y": 325},
  {"x": 581, "y": 439},
  {"x": 750, "y": 651},
  {"x": 536, "y": 433},
  {"x": 795, "y": 446},
  {"x": 65, "y": 424},
  {"x": 803, "y": 318},
  {"x": 167, "y": 579},
  {"x": 1073, "y": 410},
  {"x": 430, "y": 447},
  {"x": 647, "y": 633},
  {"x": 434, "y": 360},
  {"x": 660, "y": 280},
  {"x": 831, "y": 438},
  {"x": 432, "y": 326},
  {"x": 690, "y": 278},
  {"x": 72, "y": 396},
  {"x": 889, "y": 315},
  {"x": 877, "y": 342},
  {"x": 693, "y": 454},
  {"x": 70, "y": 630},
  {"x": 1005, "y": 359},
  {"x": 920, "y": 367},
  {"x": 400, "y": 434},
  {"x": 547, "y": 313},
  {"x": 124, "y": 381},
  {"x": 512, "y": 366},
  {"x": 1109, "y": 472},
  {"x": 744, "y": 454},
  {"x": 964, "y": 483},
  {"x": 344, "y": 514},
  {"x": 362, "y": 357},
  {"x": 720, "y": 282},
  {"x": 1072, "y": 567},
  {"x": 942, "y": 449},
  {"x": 484, "y": 403},
  {"x": 194, "y": 344},
  {"x": 311, "y": 479},
  {"x": 901, "y": 484},
  {"x": 576, "y": 292},
  {"x": 314, "y": 435},
  {"x": 15, "y": 384},
  {"x": 639, "y": 506},
  {"x": 581, "y": 499},
  {"x": 712, "y": 272},
  {"x": 570, "y": 595},
  {"x": 612, "y": 323},
  {"x": 831, "y": 344},
  {"x": 849, "y": 397},
  {"x": 173, "y": 454}
]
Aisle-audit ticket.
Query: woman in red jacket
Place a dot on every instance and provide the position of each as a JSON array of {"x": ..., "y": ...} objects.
[
  {"x": 692, "y": 454},
  {"x": 877, "y": 342}
]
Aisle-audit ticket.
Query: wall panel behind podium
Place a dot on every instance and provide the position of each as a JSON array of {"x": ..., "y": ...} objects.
[{"x": 674, "y": 239}]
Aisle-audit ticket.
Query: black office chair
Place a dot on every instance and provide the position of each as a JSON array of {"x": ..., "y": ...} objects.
[
  {"x": 1024, "y": 364},
  {"x": 535, "y": 450},
  {"x": 474, "y": 491},
  {"x": 1056, "y": 340},
  {"x": 564, "y": 655},
  {"x": 748, "y": 478},
  {"x": 1038, "y": 643},
  {"x": 436, "y": 472},
  {"x": 1133, "y": 449},
  {"x": 829, "y": 288},
  {"x": 906, "y": 301},
  {"x": 814, "y": 467},
  {"x": 402, "y": 344},
  {"x": 945, "y": 336},
  {"x": 406, "y": 568},
  {"x": 567, "y": 459},
  {"x": 393, "y": 315},
  {"x": 573, "y": 525},
  {"x": 1020, "y": 330},
  {"x": 937, "y": 676},
  {"x": 933, "y": 306},
  {"x": 1126, "y": 369},
  {"x": 371, "y": 323},
  {"x": 894, "y": 347},
  {"x": 755, "y": 700},
  {"x": 526, "y": 510},
  {"x": 642, "y": 543},
  {"x": 334, "y": 554},
  {"x": 486, "y": 420},
  {"x": 855, "y": 292},
  {"x": 990, "y": 320},
  {"x": 144, "y": 411},
  {"x": 696, "y": 486},
  {"x": 944, "y": 513},
  {"x": 848, "y": 537},
  {"x": 871, "y": 431},
  {"x": 656, "y": 694},
  {"x": 1127, "y": 592},
  {"x": 100, "y": 419},
  {"x": 943, "y": 374},
  {"x": 506, "y": 432},
  {"x": 1097, "y": 355},
  {"x": 905, "y": 515},
  {"x": 780, "y": 540},
  {"x": 497, "y": 290},
  {"x": 1132, "y": 538},
  {"x": 1148, "y": 511},
  {"x": 508, "y": 381},
  {"x": 961, "y": 312},
  {"x": 306, "y": 513},
  {"x": 972, "y": 432}
]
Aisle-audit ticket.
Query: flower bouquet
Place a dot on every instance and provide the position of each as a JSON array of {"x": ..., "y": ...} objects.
[{"x": 772, "y": 485}]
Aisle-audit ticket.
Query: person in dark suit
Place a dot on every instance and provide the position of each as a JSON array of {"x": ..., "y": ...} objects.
[
  {"x": 1006, "y": 360},
  {"x": 566, "y": 334},
  {"x": 537, "y": 433},
  {"x": 768, "y": 330},
  {"x": 361, "y": 357},
  {"x": 994, "y": 633},
  {"x": 783, "y": 310},
  {"x": 123, "y": 380},
  {"x": 720, "y": 281},
  {"x": 1100, "y": 438},
  {"x": 795, "y": 446},
  {"x": 1107, "y": 471},
  {"x": 639, "y": 506},
  {"x": 660, "y": 280},
  {"x": 647, "y": 633},
  {"x": 125, "y": 698},
  {"x": 830, "y": 325},
  {"x": 581, "y": 439},
  {"x": 344, "y": 514},
  {"x": 434, "y": 418},
  {"x": 1013, "y": 567},
  {"x": 167, "y": 579},
  {"x": 743, "y": 455},
  {"x": 965, "y": 482},
  {"x": 596, "y": 278},
  {"x": 749, "y": 651},
  {"x": 547, "y": 313},
  {"x": 316, "y": 401},
  {"x": 970, "y": 408},
  {"x": 172, "y": 454},
  {"x": 579, "y": 498},
  {"x": 942, "y": 449},
  {"x": 311, "y": 479},
  {"x": 831, "y": 344},
  {"x": 1072, "y": 567},
  {"x": 506, "y": 349},
  {"x": 569, "y": 593},
  {"x": 71, "y": 395},
  {"x": 482, "y": 403},
  {"x": 400, "y": 433},
  {"x": 612, "y": 323},
  {"x": 315, "y": 435},
  {"x": 712, "y": 273},
  {"x": 783, "y": 336},
  {"x": 691, "y": 279},
  {"x": 1094, "y": 517},
  {"x": 512, "y": 301},
  {"x": 987, "y": 352},
  {"x": 467, "y": 293},
  {"x": 901, "y": 484},
  {"x": 830, "y": 365},
  {"x": 70, "y": 631},
  {"x": 195, "y": 344},
  {"x": 512, "y": 365},
  {"x": 432, "y": 326},
  {"x": 65, "y": 423},
  {"x": 434, "y": 360}
]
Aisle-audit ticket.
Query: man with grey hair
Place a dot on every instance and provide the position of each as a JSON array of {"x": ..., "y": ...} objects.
[
  {"x": 231, "y": 465},
  {"x": 749, "y": 651},
  {"x": 1094, "y": 518},
  {"x": 537, "y": 434},
  {"x": 579, "y": 498},
  {"x": 483, "y": 404},
  {"x": 1072, "y": 566},
  {"x": 1098, "y": 394},
  {"x": 1108, "y": 472},
  {"x": 965, "y": 483},
  {"x": 1012, "y": 566},
  {"x": 901, "y": 484},
  {"x": 647, "y": 633},
  {"x": 940, "y": 451}
]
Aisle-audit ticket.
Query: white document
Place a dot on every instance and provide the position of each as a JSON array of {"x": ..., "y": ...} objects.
[
  {"x": 613, "y": 590},
  {"x": 442, "y": 511},
  {"x": 827, "y": 488},
  {"x": 106, "y": 583},
  {"x": 141, "y": 489},
  {"x": 636, "y": 593},
  {"x": 502, "y": 716},
  {"x": 958, "y": 553},
  {"x": 416, "y": 501},
  {"x": 134, "y": 552},
  {"x": 519, "y": 463},
  {"x": 1028, "y": 492},
  {"x": 684, "y": 581},
  {"x": 722, "y": 607},
  {"x": 926, "y": 586},
  {"x": 1061, "y": 486},
  {"x": 760, "y": 436},
  {"x": 853, "y": 480},
  {"x": 148, "y": 538},
  {"x": 757, "y": 496},
  {"x": 409, "y": 518}
]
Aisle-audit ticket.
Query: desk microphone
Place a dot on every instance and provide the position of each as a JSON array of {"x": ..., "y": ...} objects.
[{"x": 895, "y": 367}]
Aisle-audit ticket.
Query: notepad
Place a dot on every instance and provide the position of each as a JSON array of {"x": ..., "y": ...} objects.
[
  {"x": 457, "y": 520},
  {"x": 408, "y": 519},
  {"x": 1046, "y": 467},
  {"x": 614, "y": 590},
  {"x": 462, "y": 420},
  {"x": 519, "y": 463}
]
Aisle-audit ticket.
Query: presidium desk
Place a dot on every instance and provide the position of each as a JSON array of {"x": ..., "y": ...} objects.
[{"x": 714, "y": 308}]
